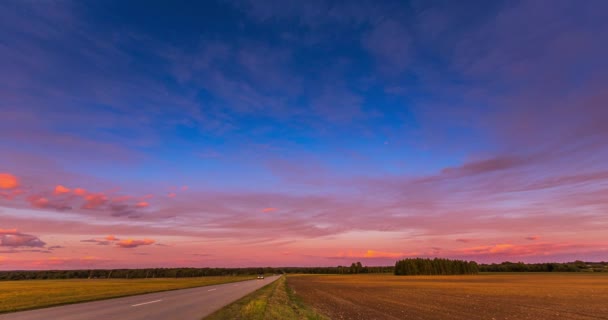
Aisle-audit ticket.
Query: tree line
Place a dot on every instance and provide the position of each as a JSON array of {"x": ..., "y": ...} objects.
[
  {"x": 403, "y": 267},
  {"x": 437, "y": 266},
  {"x": 576, "y": 266},
  {"x": 183, "y": 272}
]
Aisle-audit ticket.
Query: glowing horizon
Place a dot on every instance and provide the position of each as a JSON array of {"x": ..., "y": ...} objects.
[{"x": 244, "y": 133}]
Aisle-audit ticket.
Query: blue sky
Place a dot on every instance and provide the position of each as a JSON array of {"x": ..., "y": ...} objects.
[{"x": 389, "y": 114}]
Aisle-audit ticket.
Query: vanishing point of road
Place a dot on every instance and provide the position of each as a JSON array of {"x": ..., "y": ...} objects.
[{"x": 193, "y": 303}]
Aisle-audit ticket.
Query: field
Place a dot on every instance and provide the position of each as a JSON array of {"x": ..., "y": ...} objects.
[
  {"x": 275, "y": 301},
  {"x": 484, "y": 296},
  {"x": 30, "y": 294}
]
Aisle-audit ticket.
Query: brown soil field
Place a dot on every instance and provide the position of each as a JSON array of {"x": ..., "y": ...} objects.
[{"x": 485, "y": 296}]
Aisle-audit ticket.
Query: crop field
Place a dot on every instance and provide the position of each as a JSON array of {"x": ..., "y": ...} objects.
[
  {"x": 30, "y": 294},
  {"x": 485, "y": 296}
]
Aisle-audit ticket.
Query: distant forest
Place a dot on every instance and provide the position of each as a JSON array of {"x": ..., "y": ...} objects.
[
  {"x": 437, "y": 266},
  {"x": 354, "y": 268}
]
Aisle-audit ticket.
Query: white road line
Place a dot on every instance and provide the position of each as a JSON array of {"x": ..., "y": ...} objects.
[
  {"x": 141, "y": 304},
  {"x": 211, "y": 289}
]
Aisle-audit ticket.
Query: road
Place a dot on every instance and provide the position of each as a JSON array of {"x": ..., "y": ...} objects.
[{"x": 184, "y": 304}]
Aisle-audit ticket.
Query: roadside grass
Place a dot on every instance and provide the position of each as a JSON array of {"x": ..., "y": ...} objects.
[
  {"x": 33, "y": 294},
  {"x": 276, "y": 301}
]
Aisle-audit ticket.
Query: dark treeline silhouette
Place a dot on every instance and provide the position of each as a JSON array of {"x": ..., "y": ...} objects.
[
  {"x": 183, "y": 272},
  {"x": 437, "y": 266},
  {"x": 576, "y": 266},
  {"x": 403, "y": 267}
]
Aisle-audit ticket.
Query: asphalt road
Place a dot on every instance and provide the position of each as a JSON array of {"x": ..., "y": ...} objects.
[{"x": 184, "y": 304}]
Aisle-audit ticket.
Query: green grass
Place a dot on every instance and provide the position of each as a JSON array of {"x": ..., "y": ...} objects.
[
  {"x": 275, "y": 301},
  {"x": 32, "y": 294}
]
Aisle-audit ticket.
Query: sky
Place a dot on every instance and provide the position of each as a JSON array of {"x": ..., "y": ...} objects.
[{"x": 301, "y": 133}]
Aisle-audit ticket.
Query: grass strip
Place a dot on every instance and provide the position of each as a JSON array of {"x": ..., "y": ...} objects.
[{"x": 275, "y": 301}]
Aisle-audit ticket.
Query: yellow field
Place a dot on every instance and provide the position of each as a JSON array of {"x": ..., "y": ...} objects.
[
  {"x": 486, "y": 296},
  {"x": 30, "y": 294}
]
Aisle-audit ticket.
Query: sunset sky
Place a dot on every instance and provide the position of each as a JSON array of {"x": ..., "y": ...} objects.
[{"x": 301, "y": 133}]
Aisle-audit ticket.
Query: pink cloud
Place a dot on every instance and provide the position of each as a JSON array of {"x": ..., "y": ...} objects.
[
  {"x": 41, "y": 202},
  {"x": 267, "y": 210},
  {"x": 465, "y": 240},
  {"x": 59, "y": 189},
  {"x": 94, "y": 201},
  {"x": 130, "y": 243},
  {"x": 8, "y": 181},
  {"x": 80, "y": 192},
  {"x": 382, "y": 254},
  {"x": 142, "y": 204},
  {"x": 533, "y": 238}
]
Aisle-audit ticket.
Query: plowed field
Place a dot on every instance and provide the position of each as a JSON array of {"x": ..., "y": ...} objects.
[{"x": 486, "y": 296}]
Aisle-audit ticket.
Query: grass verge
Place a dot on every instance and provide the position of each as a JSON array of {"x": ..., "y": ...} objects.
[
  {"x": 33, "y": 294},
  {"x": 276, "y": 301}
]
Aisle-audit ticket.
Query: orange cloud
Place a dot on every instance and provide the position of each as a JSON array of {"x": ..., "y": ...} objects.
[
  {"x": 80, "y": 192},
  {"x": 111, "y": 238},
  {"x": 373, "y": 254},
  {"x": 381, "y": 254},
  {"x": 59, "y": 189},
  {"x": 94, "y": 201},
  {"x": 130, "y": 243},
  {"x": 497, "y": 248},
  {"x": 8, "y": 181},
  {"x": 142, "y": 204},
  {"x": 266, "y": 210}
]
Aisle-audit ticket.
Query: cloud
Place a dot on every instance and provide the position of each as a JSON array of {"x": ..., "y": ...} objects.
[
  {"x": 97, "y": 241},
  {"x": 8, "y": 181},
  {"x": 107, "y": 240},
  {"x": 95, "y": 201},
  {"x": 41, "y": 202},
  {"x": 533, "y": 238},
  {"x": 485, "y": 166},
  {"x": 267, "y": 210},
  {"x": 382, "y": 254},
  {"x": 14, "y": 238},
  {"x": 80, "y": 192},
  {"x": 59, "y": 189},
  {"x": 373, "y": 254},
  {"x": 130, "y": 243},
  {"x": 142, "y": 204},
  {"x": 465, "y": 240}
]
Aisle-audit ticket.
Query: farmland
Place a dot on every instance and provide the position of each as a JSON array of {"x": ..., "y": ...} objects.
[
  {"x": 30, "y": 294},
  {"x": 484, "y": 296}
]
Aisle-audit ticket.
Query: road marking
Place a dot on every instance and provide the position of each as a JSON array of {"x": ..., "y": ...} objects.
[
  {"x": 141, "y": 304},
  {"x": 211, "y": 289}
]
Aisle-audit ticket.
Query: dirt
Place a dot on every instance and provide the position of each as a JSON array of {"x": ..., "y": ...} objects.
[{"x": 486, "y": 296}]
